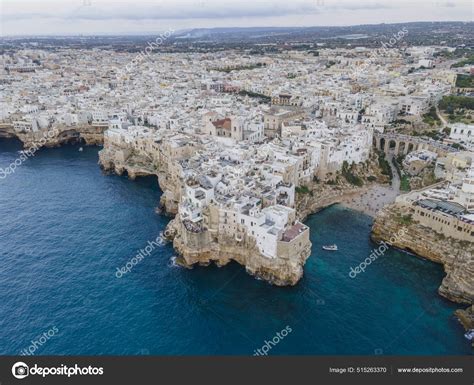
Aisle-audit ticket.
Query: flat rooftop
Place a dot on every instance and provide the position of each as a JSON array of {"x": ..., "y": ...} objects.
[
  {"x": 451, "y": 208},
  {"x": 292, "y": 232}
]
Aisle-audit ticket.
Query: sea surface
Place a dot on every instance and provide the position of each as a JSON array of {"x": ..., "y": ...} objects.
[{"x": 65, "y": 228}]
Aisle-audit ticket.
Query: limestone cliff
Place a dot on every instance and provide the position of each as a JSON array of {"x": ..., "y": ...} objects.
[
  {"x": 120, "y": 160},
  {"x": 7, "y": 131},
  {"x": 457, "y": 257},
  {"x": 123, "y": 161},
  {"x": 322, "y": 196},
  {"x": 204, "y": 246},
  {"x": 466, "y": 317},
  {"x": 339, "y": 187},
  {"x": 200, "y": 248},
  {"x": 56, "y": 136}
]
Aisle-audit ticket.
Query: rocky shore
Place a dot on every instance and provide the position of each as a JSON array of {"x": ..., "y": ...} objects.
[
  {"x": 56, "y": 136},
  {"x": 196, "y": 248},
  {"x": 466, "y": 317},
  {"x": 456, "y": 257},
  {"x": 121, "y": 161},
  {"x": 202, "y": 247}
]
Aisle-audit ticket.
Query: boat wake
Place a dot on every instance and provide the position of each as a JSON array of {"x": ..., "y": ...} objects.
[{"x": 173, "y": 262}]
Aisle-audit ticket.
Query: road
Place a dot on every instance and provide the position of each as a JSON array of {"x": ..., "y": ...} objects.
[{"x": 443, "y": 120}]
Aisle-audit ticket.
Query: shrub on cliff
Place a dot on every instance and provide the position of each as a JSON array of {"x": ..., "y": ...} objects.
[
  {"x": 405, "y": 219},
  {"x": 384, "y": 165},
  {"x": 302, "y": 190},
  {"x": 405, "y": 183}
]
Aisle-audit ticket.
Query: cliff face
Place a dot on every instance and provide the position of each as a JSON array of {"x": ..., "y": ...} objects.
[
  {"x": 56, "y": 136},
  {"x": 199, "y": 248},
  {"x": 323, "y": 196},
  {"x": 120, "y": 160},
  {"x": 456, "y": 257},
  {"x": 210, "y": 245},
  {"x": 7, "y": 131},
  {"x": 205, "y": 246},
  {"x": 336, "y": 188}
]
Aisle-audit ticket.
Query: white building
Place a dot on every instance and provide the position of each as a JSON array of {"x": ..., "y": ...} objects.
[{"x": 463, "y": 134}]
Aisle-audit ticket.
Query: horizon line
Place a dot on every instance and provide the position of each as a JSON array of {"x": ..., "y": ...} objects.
[{"x": 2, "y": 36}]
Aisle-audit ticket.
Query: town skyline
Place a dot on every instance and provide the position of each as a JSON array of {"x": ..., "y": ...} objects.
[{"x": 103, "y": 17}]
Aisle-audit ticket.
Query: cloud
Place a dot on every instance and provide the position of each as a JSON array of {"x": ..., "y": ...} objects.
[
  {"x": 448, "y": 4},
  {"x": 198, "y": 9},
  {"x": 54, "y": 17}
]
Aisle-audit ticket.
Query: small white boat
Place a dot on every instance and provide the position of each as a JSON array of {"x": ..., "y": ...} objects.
[
  {"x": 330, "y": 247},
  {"x": 81, "y": 149},
  {"x": 469, "y": 334}
]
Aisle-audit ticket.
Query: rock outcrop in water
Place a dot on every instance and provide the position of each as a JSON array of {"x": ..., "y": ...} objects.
[{"x": 457, "y": 257}]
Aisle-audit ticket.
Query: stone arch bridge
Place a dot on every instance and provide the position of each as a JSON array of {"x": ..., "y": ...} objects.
[{"x": 403, "y": 144}]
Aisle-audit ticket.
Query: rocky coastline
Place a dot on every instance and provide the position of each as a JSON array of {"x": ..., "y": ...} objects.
[
  {"x": 56, "y": 136},
  {"x": 197, "y": 248},
  {"x": 466, "y": 317},
  {"x": 125, "y": 161},
  {"x": 457, "y": 257}
]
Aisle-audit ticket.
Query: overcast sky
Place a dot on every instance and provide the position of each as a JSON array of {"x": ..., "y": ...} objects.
[{"x": 38, "y": 17}]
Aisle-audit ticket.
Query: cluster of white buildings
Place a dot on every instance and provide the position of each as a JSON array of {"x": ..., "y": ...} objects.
[
  {"x": 447, "y": 208},
  {"x": 176, "y": 91},
  {"x": 239, "y": 133},
  {"x": 463, "y": 134}
]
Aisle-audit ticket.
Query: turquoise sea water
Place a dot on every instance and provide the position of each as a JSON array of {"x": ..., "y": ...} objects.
[{"x": 65, "y": 228}]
